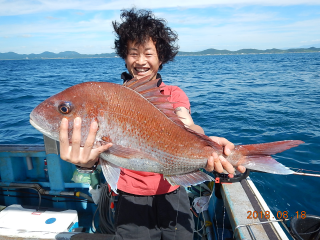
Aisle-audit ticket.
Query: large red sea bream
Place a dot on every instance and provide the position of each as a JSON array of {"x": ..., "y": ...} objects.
[{"x": 145, "y": 132}]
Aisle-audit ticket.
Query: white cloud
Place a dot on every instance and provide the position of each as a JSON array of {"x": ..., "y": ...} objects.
[
  {"x": 52, "y": 18},
  {"x": 236, "y": 18},
  {"x": 26, "y": 36},
  {"x": 234, "y": 36},
  {"x": 96, "y": 24},
  {"x": 19, "y": 7},
  {"x": 230, "y": 28}
]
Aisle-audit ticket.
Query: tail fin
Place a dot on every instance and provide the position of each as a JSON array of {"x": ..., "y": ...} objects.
[{"x": 257, "y": 156}]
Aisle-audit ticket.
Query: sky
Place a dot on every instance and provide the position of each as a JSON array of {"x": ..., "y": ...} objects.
[{"x": 84, "y": 26}]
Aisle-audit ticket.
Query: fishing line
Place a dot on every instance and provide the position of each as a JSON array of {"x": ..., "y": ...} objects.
[
  {"x": 215, "y": 213},
  {"x": 224, "y": 214},
  {"x": 204, "y": 220},
  {"x": 198, "y": 230}
]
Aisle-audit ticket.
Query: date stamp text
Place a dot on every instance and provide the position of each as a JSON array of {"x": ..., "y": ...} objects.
[{"x": 280, "y": 215}]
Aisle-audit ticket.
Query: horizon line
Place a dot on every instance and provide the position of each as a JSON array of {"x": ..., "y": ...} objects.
[{"x": 283, "y": 49}]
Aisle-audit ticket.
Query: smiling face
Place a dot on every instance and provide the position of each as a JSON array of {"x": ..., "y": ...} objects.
[{"x": 142, "y": 60}]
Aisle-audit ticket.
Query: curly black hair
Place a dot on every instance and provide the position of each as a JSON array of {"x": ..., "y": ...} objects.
[{"x": 139, "y": 26}]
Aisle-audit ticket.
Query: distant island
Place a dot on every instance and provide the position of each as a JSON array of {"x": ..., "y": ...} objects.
[
  {"x": 72, "y": 54},
  {"x": 212, "y": 51},
  {"x": 51, "y": 55}
]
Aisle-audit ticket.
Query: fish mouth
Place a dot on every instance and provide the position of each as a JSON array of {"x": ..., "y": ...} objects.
[{"x": 40, "y": 129}]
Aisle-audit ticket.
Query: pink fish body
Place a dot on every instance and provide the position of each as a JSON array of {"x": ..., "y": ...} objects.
[{"x": 145, "y": 132}]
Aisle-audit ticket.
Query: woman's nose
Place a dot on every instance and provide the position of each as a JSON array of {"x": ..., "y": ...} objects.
[{"x": 141, "y": 59}]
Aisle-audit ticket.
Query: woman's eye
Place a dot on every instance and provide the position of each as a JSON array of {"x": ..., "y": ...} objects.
[{"x": 65, "y": 108}]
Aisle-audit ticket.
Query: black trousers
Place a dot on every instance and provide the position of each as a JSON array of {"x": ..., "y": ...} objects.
[{"x": 165, "y": 216}]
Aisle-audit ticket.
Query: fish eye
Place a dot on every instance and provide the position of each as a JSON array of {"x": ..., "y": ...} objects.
[{"x": 65, "y": 107}]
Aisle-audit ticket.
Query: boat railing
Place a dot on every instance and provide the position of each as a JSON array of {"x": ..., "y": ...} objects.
[{"x": 26, "y": 164}]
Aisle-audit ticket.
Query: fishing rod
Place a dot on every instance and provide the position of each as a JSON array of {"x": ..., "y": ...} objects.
[
  {"x": 304, "y": 172},
  {"x": 224, "y": 177}
]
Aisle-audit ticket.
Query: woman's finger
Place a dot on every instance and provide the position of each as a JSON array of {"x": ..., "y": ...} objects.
[
  {"x": 64, "y": 140},
  {"x": 241, "y": 169},
  {"x": 76, "y": 139},
  {"x": 217, "y": 165},
  {"x": 90, "y": 141},
  {"x": 94, "y": 154},
  {"x": 210, "y": 164},
  {"x": 103, "y": 148},
  {"x": 228, "y": 146},
  {"x": 226, "y": 165}
]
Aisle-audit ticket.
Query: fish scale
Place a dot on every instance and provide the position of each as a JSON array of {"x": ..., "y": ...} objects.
[
  {"x": 150, "y": 129},
  {"x": 145, "y": 132}
]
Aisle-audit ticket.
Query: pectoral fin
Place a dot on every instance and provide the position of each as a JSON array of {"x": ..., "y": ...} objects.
[
  {"x": 125, "y": 152},
  {"x": 111, "y": 172}
]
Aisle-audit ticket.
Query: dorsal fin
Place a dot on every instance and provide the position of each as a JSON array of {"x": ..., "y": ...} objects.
[
  {"x": 208, "y": 140},
  {"x": 150, "y": 91}
]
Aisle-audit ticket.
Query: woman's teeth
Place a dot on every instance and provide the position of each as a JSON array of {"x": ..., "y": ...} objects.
[{"x": 141, "y": 70}]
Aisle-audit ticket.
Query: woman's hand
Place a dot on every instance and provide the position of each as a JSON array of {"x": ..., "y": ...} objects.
[
  {"x": 85, "y": 156},
  {"x": 219, "y": 163}
]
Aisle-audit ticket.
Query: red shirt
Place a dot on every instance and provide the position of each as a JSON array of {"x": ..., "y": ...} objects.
[{"x": 148, "y": 183}]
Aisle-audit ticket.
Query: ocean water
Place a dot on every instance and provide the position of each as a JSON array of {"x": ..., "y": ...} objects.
[{"x": 244, "y": 98}]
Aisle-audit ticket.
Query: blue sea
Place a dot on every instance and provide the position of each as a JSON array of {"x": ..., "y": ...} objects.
[{"x": 245, "y": 98}]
